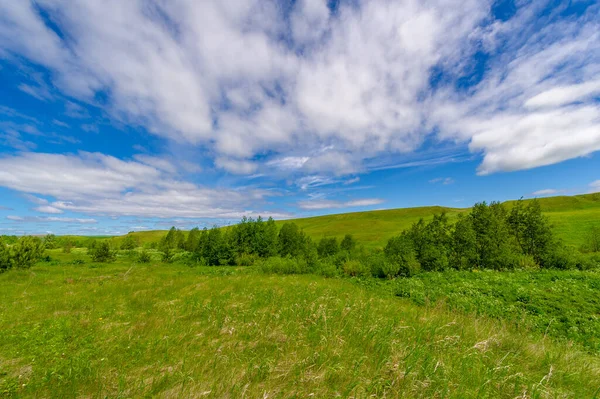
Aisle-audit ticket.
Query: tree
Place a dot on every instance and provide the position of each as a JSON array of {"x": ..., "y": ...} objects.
[
  {"x": 496, "y": 246},
  {"x": 400, "y": 252},
  {"x": 268, "y": 239},
  {"x": 101, "y": 252},
  {"x": 193, "y": 240},
  {"x": 464, "y": 244},
  {"x": 348, "y": 243},
  {"x": 327, "y": 247},
  {"x": 5, "y": 257},
  {"x": 129, "y": 242},
  {"x": 27, "y": 251},
  {"x": 50, "y": 241},
  {"x": 291, "y": 240},
  {"x": 531, "y": 229}
]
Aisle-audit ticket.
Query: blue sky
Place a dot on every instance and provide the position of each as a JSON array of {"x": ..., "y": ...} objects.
[{"x": 119, "y": 116}]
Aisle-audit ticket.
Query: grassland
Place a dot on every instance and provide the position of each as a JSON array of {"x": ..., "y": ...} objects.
[
  {"x": 71, "y": 328},
  {"x": 570, "y": 216}
]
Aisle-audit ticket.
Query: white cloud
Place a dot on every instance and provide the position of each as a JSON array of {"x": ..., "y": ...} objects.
[
  {"x": 595, "y": 186},
  {"x": 47, "y": 209},
  {"x": 330, "y": 204},
  {"x": 99, "y": 184},
  {"x": 217, "y": 74}
]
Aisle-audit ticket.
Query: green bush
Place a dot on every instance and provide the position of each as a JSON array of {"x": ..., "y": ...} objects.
[
  {"x": 355, "y": 268},
  {"x": 101, "y": 252},
  {"x": 246, "y": 259},
  {"x": 326, "y": 269},
  {"x": 5, "y": 257},
  {"x": 144, "y": 256},
  {"x": 278, "y": 265},
  {"x": 27, "y": 251}
]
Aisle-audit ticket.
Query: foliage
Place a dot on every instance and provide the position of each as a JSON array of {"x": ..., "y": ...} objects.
[
  {"x": 279, "y": 265},
  {"x": 355, "y": 268},
  {"x": 529, "y": 299},
  {"x": 50, "y": 241},
  {"x": 5, "y": 257},
  {"x": 129, "y": 242},
  {"x": 101, "y": 252},
  {"x": 328, "y": 246},
  {"x": 144, "y": 256},
  {"x": 27, "y": 251},
  {"x": 401, "y": 257},
  {"x": 348, "y": 243}
]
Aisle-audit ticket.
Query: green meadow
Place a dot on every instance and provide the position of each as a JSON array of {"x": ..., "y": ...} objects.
[{"x": 74, "y": 328}]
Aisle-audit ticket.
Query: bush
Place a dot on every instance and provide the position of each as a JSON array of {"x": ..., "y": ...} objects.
[
  {"x": 101, "y": 252},
  {"x": 401, "y": 255},
  {"x": 278, "y": 265},
  {"x": 144, "y": 256},
  {"x": 246, "y": 259},
  {"x": 5, "y": 257},
  {"x": 326, "y": 269},
  {"x": 27, "y": 251},
  {"x": 355, "y": 268}
]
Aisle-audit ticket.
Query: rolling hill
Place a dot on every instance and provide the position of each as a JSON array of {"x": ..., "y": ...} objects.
[{"x": 571, "y": 216}]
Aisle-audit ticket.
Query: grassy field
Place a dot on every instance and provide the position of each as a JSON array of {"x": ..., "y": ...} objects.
[
  {"x": 71, "y": 328},
  {"x": 571, "y": 216}
]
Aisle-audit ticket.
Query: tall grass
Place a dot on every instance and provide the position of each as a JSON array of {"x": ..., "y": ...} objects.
[{"x": 131, "y": 330}]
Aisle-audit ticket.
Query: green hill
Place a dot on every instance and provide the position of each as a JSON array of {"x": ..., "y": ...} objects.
[{"x": 571, "y": 216}]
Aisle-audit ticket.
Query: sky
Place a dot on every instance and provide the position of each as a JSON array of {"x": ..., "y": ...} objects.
[{"x": 118, "y": 116}]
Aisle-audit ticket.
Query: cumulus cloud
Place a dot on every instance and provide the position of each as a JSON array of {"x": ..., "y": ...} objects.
[
  {"x": 99, "y": 184},
  {"x": 252, "y": 79},
  {"x": 595, "y": 186}
]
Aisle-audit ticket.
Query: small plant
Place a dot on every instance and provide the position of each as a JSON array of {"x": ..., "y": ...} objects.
[
  {"x": 144, "y": 256},
  {"x": 355, "y": 268},
  {"x": 101, "y": 252},
  {"x": 27, "y": 251}
]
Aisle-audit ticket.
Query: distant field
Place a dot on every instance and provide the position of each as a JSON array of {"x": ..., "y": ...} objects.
[
  {"x": 72, "y": 328},
  {"x": 570, "y": 216}
]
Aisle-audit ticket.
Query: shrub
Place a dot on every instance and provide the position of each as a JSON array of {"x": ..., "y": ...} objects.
[
  {"x": 400, "y": 252},
  {"x": 355, "y": 268},
  {"x": 129, "y": 242},
  {"x": 144, "y": 256},
  {"x": 246, "y": 259},
  {"x": 5, "y": 257},
  {"x": 278, "y": 265},
  {"x": 101, "y": 252},
  {"x": 348, "y": 243},
  {"x": 326, "y": 269},
  {"x": 27, "y": 251},
  {"x": 390, "y": 269},
  {"x": 559, "y": 257}
]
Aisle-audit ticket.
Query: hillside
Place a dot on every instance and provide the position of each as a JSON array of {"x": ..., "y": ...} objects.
[{"x": 570, "y": 216}]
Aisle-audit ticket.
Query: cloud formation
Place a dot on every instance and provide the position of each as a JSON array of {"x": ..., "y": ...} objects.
[
  {"x": 103, "y": 185},
  {"x": 247, "y": 78},
  {"x": 320, "y": 204}
]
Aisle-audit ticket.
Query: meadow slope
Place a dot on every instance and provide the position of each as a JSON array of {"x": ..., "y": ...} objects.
[
  {"x": 127, "y": 330},
  {"x": 570, "y": 216}
]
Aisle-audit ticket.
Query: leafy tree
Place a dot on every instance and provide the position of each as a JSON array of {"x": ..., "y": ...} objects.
[
  {"x": 348, "y": 243},
  {"x": 496, "y": 247},
  {"x": 464, "y": 244},
  {"x": 27, "y": 251},
  {"x": 267, "y": 242},
  {"x": 291, "y": 240},
  {"x": 5, "y": 257},
  {"x": 50, "y": 241},
  {"x": 101, "y": 252},
  {"x": 130, "y": 242},
  {"x": 327, "y": 247},
  {"x": 531, "y": 229},
  {"x": 401, "y": 255},
  {"x": 144, "y": 256},
  {"x": 193, "y": 240}
]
